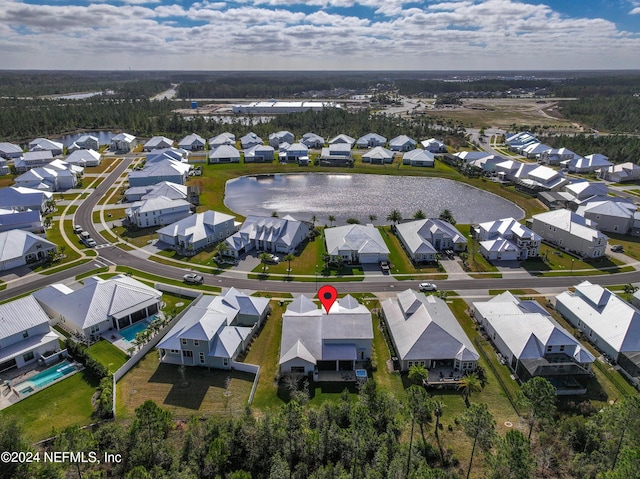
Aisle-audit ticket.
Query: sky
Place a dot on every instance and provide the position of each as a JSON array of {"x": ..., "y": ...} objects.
[{"x": 320, "y": 34}]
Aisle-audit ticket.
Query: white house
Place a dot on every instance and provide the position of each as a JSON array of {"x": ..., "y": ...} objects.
[
  {"x": 158, "y": 143},
  {"x": 517, "y": 141},
  {"x": 249, "y": 140},
  {"x": 29, "y": 220},
  {"x": 581, "y": 190},
  {"x": 556, "y": 156},
  {"x": 356, "y": 244},
  {"x": 157, "y": 211},
  {"x": 337, "y": 154},
  {"x": 279, "y": 137},
  {"x": 378, "y": 155},
  {"x": 621, "y": 173},
  {"x": 44, "y": 144},
  {"x": 424, "y": 332},
  {"x": 48, "y": 179},
  {"x": 506, "y": 239},
  {"x": 25, "y": 334},
  {"x": 533, "y": 344},
  {"x": 123, "y": 142},
  {"x": 570, "y": 232},
  {"x": 259, "y": 154},
  {"x": 434, "y": 146},
  {"x": 311, "y": 140},
  {"x": 371, "y": 140},
  {"x": 589, "y": 163},
  {"x": 538, "y": 177},
  {"x": 266, "y": 233},
  {"x": 469, "y": 156},
  {"x": 171, "y": 190},
  {"x": 192, "y": 142},
  {"x": 84, "y": 158},
  {"x": 605, "y": 320},
  {"x": 99, "y": 305},
  {"x": 342, "y": 139},
  {"x": 294, "y": 153},
  {"x": 314, "y": 341},
  {"x": 423, "y": 239},
  {"x": 222, "y": 139},
  {"x": 88, "y": 142},
  {"x": 155, "y": 172},
  {"x": 418, "y": 157},
  {"x": 402, "y": 143},
  {"x": 21, "y": 199},
  {"x": 19, "y": 247},
  {"x": 214, "y": 330},
  {"x": 33, "y": 159},
  {"x": 10, "y": 151},
  {"x": 224, "y": 154},
  {"x": 195, "y": 232},
  {"x": 534, "y": 150}
]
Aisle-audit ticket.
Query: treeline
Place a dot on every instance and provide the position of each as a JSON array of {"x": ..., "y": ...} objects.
[
  {"x": 619, "y": 148},
  {"x": 373, "y": 437},
  {"x": 429, "y": 87},
  {"x": 616, "y": 114}
]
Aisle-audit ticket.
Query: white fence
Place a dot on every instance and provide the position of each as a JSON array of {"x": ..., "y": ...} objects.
[
  {"x": 167, "y": 288},
  {"x": 248, "y": 368}
]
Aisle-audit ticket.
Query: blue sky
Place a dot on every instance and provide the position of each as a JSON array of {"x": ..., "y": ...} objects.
[{"x": 320, "y": 34}]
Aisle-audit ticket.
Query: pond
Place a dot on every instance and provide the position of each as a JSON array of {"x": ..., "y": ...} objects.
[
  {"x": 359, "y": 196},
  {"x": 104, "y": 137}
]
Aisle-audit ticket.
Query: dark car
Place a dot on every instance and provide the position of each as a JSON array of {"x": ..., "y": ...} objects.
[{"x": 617, "y": 248}]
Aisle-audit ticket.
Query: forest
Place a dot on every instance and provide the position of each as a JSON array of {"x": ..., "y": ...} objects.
[
  {"x": 619, "y": 148},
  {"x": 372, "y": 436}
]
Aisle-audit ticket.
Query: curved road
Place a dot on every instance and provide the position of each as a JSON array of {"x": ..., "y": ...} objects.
[{"x": 121, "y": 257}]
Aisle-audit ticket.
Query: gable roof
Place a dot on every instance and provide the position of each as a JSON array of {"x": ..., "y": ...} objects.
[
  {"x": 378, "y": 153},
  {"x": 18, "y": 243},
  {"x": 225, "y": 151},
  {"x": 19, "y": 315},
  {"x": 418, "y": 155},
  {"x": 222, "y": 139},
  {"x": 571, "y": 222},
  {"x": 196, "y": 227},
  {"x": 360, "y": 238},
  {"x": 419, "y": 235}
]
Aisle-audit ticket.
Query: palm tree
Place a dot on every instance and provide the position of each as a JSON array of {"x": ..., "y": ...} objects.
[
  {"x": 373, "y": 218},
  {"x": 464, "y": 256},
  {"x": 289, "y": 257},
  {"x": 418, "y": 374},
  {"x": 469, "y": 384},
  {"x": 274, "y": 214},
  {"x": 447, "y": 216},
  {"x": 438, "y": 407},
  {"x": 264, "y": 259},
  {"x": 395, "y": 217},
  {"x": 629, "y": 289},
  {"x": 332, "y": 219},
  {"x": 314, "y": 218},
  {"x": 419, "y": 215}
]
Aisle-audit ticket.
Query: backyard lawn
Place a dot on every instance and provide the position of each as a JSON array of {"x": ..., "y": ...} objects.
[
  {"x": 108, "y": 355},
  {"x": 400, "y": 262}
]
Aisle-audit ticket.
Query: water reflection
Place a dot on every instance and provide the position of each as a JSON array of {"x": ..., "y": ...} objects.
[{"x": 359, "y": 196}]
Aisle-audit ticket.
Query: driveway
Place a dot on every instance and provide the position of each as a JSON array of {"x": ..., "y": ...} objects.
[{"x": 454, "y": 268}]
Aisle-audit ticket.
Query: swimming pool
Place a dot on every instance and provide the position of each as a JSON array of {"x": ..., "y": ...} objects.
[
  {"x": 46, "y": 377},
  {"x": 129, "y": 333}
]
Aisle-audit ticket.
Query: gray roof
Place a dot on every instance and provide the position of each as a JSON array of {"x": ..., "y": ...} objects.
[
  {"x": 268, "y": 229},
  {"x": 418, "y": 155},
  {"x": 164, "y": 188},
  {"x": 401, "y": 140},
  {"x": 87, "y": 156},
  {"x": 161, "y": 168},
  {"x": 342, "y": 138},
  {"x": 424, "y": 328},
  {"x": 9, "y": 148},
  {"x": 191, "y": 139},
  {"x": 19, "y": 315},
  {"x": 225, "y": 151},
  {"x": 19, "y": 196},
  {"x": 419, "y": 235},
  {"x": 570, "y": 222},
  {"x": 196, "y": 227},
  {"x": 98, "y": 299},
  {"x": 360, "y": 238},
  {"x": 156, "y": 141},
  {"x": 18, "y": 243},
  {"x": 157, "y": 203},
  {"x": 379, "y": 152},
  {"x": 222, "y": 139}
]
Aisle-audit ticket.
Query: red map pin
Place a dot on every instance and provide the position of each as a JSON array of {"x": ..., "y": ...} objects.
[{"x": 327, "y": 295}]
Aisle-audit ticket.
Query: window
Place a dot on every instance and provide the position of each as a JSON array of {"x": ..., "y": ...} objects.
[
  {"x": 615, "y": 228},
  {"x": 183, "y": 341},
  {"x": 28, "y": 356},
  {"x": 297, "y": 369},
  {"x": 201, "y": 358},
  {"x": 549, "y": 348},
  {"x": 562, "y": 348},
  {"x": 196, "y": 342},
  {"x": 95, "y": 328},
  {"x": 174, "y": 351},
  {"x": 225, "y": 361},
  {"x": 187, "y": 354},
  {"x": 25, "y": 334}
]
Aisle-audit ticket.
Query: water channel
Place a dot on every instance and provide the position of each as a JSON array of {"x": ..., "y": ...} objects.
[{"x": 359, "y": 196}]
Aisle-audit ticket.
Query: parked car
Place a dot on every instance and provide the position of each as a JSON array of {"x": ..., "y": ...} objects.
[
  {"x": 273, "y": 259},
  {"x": 90, "y": 242},
  {"x": 384, "y": 266},
  {"x": 617, "y": 248},
  {"x": 77, "y": 229},
  {"x": 428, "y": 287},
  {"x": 192, "y": 278}
]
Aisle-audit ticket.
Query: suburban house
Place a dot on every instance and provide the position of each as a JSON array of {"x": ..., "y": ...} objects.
[
  {"x": 25, "y": 335},
  {"x": 43, "y": 144},
  {"x": 418, "y": 157},
  {"x": 621, "y": 173},
  {"x": 88, "y": 142},
  {"x": 197, "y": 231},
  {"x": 537, "y": 177},
  {"x": 342, "y": 139},
  {"x": 224, "y": 154},
  {"x": 314, "y": 341},
  {"x": 157, "y": 211},
  {"x": 276, "y": 139},
  {"x": 487, "y": 163},
  {"x": 10, "y": 151},
  {"x": 259, "y": 154},
  {"x": 469, "y": 156},
  {"x": 534, "y": 150},
  {"x": 582, "y": 190},
  {"x": 99, "y": 305},
  {"x": 311, "y": 140},
  {"x": 610, "y": 216},
  {"x": 506, "y": 239},
  {"x": 371, "y": 140},
  {"x": 192, "y": 142},
  {"x": 570, "y": 232},
  {"x": 337, "y": 154},
  {"x": 589, "y": 163},
  {"x": 434, "y": 146},
  {"x": 423, "y": 239},
  {"x": 555, "y": 156},
  {"x": 19, "y": 247},
  {"x": 294, "y": 153},
  {"x": 517, "y": 141},
  {"x": 533, "y": 344},
  {"x": 222, "y": 139},
  {"x": 161, "y": 170},
  {"x": 249, "y": 140},
  {"x": 48, "y": 179},
  {"x": 173, "y": 191},
  {"x": 123, "y": 142},
  {"x": 378, "y": 155},
  {"x": 214, "y": 330},
  {"x": 32, "y": 159},
  {"x": 424, "y": 332},
  {"x": 22, "y": 199},
  {"x": 176, "y": 154},
  {"x": 402, "y": 143},
  {"x": 356, "y": 244},
  {"x": 4, "y": 167},
  {"x": 606, "y": 321},
  {"x": 158, "y": 143},
  {"x": 267, "y": 233},
  {"x": 84, "y": 158}
]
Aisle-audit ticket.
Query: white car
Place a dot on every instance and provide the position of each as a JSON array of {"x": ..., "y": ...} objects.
[
  {"x": 273, "y": 259},
  {"x": 192, "y": 278},
  {"x": 428, "y": 287}
]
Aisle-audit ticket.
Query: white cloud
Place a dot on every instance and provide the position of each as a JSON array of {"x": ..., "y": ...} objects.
[{"x": 635, "y": 11}]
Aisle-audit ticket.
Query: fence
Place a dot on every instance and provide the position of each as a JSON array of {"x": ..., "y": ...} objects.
[
  {"x": 167, "y": 288},
  {"x": 124, "y": 369},
  {"x": 248, "y": 368}
]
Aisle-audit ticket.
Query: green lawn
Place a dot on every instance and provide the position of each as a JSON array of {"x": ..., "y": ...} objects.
[
  {"x": 631, "y": 244},
  {"x": 108, "y": 355},
  {"x": 304, "y": 263},
  {"x": 401, "y": 263},
  {"x": 476, "y": 262},
  {"x": 553, "y": 261},
  {"x": 63, "y": 404}
]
